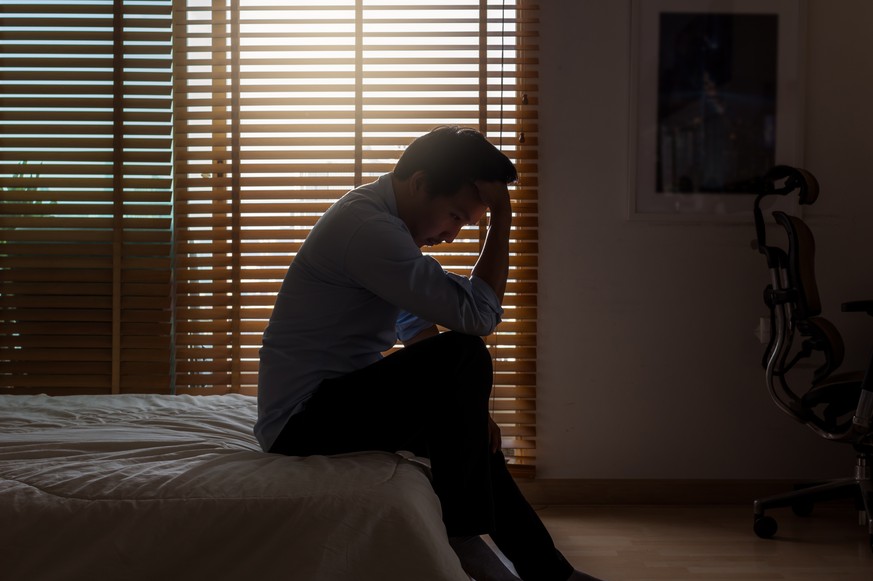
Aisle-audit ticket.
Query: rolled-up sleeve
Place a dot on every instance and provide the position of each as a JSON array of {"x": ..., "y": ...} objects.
[
  {"x": 481, "y": 293},
  {"x": 384, "y": 259}
]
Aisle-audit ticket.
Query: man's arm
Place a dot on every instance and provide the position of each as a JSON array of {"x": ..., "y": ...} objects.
[{"x": 493, "y": 263}]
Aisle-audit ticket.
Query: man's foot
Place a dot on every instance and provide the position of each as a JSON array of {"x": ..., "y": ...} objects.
[{"x": 479, "y": 561}]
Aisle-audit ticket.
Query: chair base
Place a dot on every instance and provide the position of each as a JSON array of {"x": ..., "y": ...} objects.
[{"x": 801, "y": 501}]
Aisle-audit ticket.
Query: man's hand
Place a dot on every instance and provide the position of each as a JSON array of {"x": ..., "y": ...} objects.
[
  {"x": 495, "y": 195},
  {"x": 493, "y": 435}
]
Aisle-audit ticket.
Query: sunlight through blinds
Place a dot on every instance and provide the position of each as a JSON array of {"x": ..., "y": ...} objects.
[{"x": 283, "y": 106}]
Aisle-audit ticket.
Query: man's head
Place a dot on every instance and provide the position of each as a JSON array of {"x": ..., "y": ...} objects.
[
  {"x": 435, "y": 182},
  {"x": 451, "y": 156}
]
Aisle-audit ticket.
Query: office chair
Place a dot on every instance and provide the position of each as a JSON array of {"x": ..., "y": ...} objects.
[{"x": 836, "y": 405}]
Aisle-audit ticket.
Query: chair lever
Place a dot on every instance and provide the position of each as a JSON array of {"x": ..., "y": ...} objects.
[
  {"x": 864, "y": 413},
  {"x": 858, "y": 306}
]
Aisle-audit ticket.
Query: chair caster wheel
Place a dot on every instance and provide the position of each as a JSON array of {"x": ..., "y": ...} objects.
[{"x": 765, "y": 526}]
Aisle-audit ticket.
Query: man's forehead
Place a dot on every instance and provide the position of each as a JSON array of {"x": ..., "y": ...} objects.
[{"x": 469, "y": 204}]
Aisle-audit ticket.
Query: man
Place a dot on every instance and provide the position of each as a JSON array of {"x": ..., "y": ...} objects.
[{"x": 358, "y": 284}]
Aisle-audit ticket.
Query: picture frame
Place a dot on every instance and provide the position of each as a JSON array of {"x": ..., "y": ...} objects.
[{"x": 716, "y": 101}]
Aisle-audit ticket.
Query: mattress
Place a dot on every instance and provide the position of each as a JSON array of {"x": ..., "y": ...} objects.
[{"x": 122, "y": 487}]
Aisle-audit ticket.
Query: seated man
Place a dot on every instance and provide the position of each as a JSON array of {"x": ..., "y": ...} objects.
[{"x": 360, "y": 282}]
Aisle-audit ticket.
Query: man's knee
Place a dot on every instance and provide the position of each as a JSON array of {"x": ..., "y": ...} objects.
[
  {"x": 468, "y": 361},
  {"x": 464, "y": 342},
  {"x": 470, "y": 348}
]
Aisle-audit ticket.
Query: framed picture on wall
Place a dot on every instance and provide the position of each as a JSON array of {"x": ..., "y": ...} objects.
[{"x": 716, "y": 101}]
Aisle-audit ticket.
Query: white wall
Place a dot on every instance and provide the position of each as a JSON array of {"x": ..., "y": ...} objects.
[{"x": 648, "y": 366}]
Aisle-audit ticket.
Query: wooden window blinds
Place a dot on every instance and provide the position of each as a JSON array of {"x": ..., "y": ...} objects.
[
  {"x": 278, "y": 108},
  {"x": 86, "y": 185}
]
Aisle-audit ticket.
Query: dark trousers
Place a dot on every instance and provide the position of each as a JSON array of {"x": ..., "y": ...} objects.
[{"x": 431, "y": 399}]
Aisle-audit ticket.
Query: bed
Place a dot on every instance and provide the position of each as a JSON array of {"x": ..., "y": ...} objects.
[{"x": 123, "y": 487}]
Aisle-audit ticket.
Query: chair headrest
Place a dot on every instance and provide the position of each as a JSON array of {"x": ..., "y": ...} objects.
[
  {"x": 781, "y": 180},
  {"x": 792, "y": 178}
]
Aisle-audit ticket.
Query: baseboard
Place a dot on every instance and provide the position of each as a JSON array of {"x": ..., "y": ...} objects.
[{"x": 649, "y": 491}]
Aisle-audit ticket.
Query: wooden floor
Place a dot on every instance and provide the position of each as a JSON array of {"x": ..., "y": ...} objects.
[{"x": 678, "y": 543}]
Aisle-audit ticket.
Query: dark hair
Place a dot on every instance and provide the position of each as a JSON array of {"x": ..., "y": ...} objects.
[{"x": 451, "y": 156}]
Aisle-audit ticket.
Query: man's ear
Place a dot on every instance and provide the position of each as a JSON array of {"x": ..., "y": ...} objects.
[{"x": 418, "y": 184}]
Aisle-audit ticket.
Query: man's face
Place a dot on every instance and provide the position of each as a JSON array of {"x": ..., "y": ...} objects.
[{"x": 438, "y": 219}]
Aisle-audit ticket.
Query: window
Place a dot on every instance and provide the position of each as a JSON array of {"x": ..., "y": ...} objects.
[
  {"x": 275, "y": 109},
  {"x": 86, "y": 180}
]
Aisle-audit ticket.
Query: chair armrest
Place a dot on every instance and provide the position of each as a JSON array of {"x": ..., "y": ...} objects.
[{"x": 858, "y": 306}]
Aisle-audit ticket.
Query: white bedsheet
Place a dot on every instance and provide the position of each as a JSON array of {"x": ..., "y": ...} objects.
[{"x": 175, "y": 487}]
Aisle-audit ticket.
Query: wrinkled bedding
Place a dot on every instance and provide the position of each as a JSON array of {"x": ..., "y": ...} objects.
[{"x": 122, "y": 487}]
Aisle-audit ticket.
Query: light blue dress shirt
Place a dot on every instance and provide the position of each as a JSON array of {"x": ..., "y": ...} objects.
[{"x": 358, "y": 283}]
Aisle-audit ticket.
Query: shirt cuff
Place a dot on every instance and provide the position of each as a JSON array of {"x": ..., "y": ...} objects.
[
  {"x": 482, "y": 293},
  {"x": 408, "y": 325}
]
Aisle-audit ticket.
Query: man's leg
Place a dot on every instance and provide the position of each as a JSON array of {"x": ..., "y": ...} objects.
[
  {"x": 519, "y": 533},
  {"x": 479, "y": 561},
  {"x": 430, "y": 398}
]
